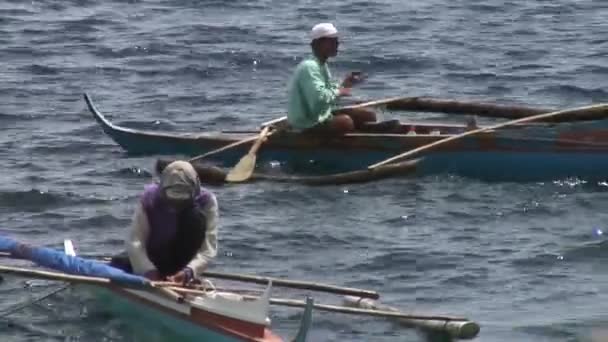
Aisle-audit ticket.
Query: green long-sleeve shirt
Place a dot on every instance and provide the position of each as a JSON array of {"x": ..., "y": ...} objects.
[{"x": 312, "y": 94}]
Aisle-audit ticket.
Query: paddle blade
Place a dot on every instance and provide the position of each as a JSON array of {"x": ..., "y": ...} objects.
[{"x": 243, "y": 170}]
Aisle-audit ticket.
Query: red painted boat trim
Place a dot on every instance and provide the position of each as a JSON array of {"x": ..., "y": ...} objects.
[
  {"x": 205, "y": 317},
  {"x": 246, "y": 331}
]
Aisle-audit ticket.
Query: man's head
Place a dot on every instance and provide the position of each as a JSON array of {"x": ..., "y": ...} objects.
[
  {"x": 179, "y": 183},
  {"x": 324, "y": 40}
]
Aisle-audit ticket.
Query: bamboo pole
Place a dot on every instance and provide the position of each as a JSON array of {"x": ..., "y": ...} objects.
[
  {"x": 56, "y": 276},
  {"x": 463, "y": 329},
  {"x": 484, "y": 109},
  {"x": 597, "y": 111},
  {"x": 374, "y": 103},
  {"x": 332, "y": 308},
  {"x": 386, "y": 101},
  {"x": 98, "y": 258},
  {"x": 294, "y": 284},
  {"x": 98, "y": 281}
]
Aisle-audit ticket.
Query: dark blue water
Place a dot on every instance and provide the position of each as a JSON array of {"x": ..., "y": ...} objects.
[{"x": 522, "y": 259}]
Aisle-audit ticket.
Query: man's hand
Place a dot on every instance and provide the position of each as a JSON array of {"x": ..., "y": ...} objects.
[
  {"x": 344, "y": 91},
  {"x": 352, "y": 79},
  {"x": 183, "y": 277}
]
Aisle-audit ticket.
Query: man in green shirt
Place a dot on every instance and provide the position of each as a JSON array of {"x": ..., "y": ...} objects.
[{"x": 313, "y": 94}]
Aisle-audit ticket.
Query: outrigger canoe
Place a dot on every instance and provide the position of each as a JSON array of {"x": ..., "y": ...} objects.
[
  {"x": 530, "y": 152},
  {"x": 204, "y": 312},
  {"x": 214, "y": 316}
]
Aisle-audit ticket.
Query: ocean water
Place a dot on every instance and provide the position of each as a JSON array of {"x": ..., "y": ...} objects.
[{"x": 524, "y": 260}]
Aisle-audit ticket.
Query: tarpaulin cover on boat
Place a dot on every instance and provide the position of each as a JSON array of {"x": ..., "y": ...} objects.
[{"x": 59, "y": 261}]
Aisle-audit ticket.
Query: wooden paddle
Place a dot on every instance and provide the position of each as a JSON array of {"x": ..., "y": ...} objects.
[
  {"x": 224, "y": 148},
  {"x": 244, "y": 168},
  {"x": 240, "y": 142},
  {"x": 597, "y": 111}
]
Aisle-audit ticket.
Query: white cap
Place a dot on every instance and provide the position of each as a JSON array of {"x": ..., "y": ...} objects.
[{"x": 323, "y": 30}]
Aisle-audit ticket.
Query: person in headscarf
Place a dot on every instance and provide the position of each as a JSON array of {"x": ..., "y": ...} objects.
[{"x": 173, "y": 235}]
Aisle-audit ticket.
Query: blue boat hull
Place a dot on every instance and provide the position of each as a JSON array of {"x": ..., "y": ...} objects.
[{"x": 525, "y": 153}]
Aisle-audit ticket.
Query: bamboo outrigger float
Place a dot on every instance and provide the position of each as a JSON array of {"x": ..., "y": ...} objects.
[{"x": 575, "y": 147}]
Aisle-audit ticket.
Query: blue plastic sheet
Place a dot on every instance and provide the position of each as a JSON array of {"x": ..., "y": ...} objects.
[{"x": 59, "y": 261}]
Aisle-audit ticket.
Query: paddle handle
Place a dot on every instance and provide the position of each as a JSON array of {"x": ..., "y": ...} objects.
[
  {"x": 273, "y": 122},
  {"x": 600, "y": 110},
  {"x": 267, "y": 124},
  {"x": 261, "y": 137},
  {"x": 224, "y": 148}
]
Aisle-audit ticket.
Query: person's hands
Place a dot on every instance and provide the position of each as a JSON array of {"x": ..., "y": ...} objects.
[
  {"x": 344, "y": 91},
  {"x": 352, "y": 79},
  {"x": 183, "y": 277}
]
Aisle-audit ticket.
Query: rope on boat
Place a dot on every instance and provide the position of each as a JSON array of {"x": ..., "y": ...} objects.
[{"x": 207, "y": 285}]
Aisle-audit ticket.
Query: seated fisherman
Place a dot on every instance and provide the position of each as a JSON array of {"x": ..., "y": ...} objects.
[{"x": 313, "y": 95}]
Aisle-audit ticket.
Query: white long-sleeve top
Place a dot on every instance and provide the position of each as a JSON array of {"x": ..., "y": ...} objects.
[{"x": 138, "y": 236}]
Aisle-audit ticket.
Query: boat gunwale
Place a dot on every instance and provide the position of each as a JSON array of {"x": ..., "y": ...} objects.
[{"x": 344, "y": 141}]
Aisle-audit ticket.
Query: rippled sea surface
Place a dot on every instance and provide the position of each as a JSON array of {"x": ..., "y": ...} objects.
[{"x": 526, "y": 261}]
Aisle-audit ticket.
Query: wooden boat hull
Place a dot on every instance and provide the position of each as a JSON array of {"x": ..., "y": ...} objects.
[
  {"x": 214, "y": 316},
  {"x": 167, "y": 321},
  {"x": 171, "y": 319},
  {"x": 522, "y": 153}
]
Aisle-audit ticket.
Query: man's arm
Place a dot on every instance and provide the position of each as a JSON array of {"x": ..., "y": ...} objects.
[
  {"x": 317, "y": 95},
  {"x": 208, "y": 250}
]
